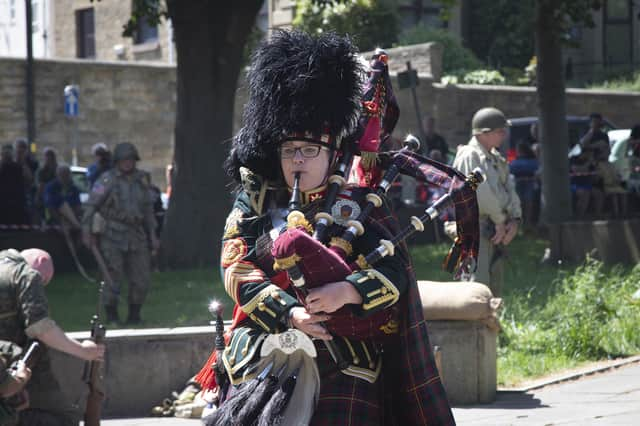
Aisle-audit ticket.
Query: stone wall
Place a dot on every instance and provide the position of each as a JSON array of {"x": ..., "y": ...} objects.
[
  {"x": 454, "y": 105},
  {"x": 118, "y": 102},
  {"x": 142, "y": 367},
  {"x": 132, "y": 101}
]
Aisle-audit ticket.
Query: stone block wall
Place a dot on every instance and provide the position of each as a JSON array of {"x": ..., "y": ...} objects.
[
  {"x": 144, "y": 366},
  {"x": 118, "y": 102},
  {"x": 136, "y": 102}
]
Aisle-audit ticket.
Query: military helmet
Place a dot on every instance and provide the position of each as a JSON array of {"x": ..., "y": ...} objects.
[
  {"x": 125, "y": 151},
  {"x": 488, "y": 119}
]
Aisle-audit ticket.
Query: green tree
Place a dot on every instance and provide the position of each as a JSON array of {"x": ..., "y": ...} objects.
[
  {"x": 371, "y": 23},
  {"x": 553, "y": 19},
  {"x": 210, "y": 38},
  {"x": 500, "y": 31}
]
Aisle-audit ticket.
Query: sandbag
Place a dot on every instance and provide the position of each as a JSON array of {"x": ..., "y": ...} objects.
[{"x": 459, "y": 300}]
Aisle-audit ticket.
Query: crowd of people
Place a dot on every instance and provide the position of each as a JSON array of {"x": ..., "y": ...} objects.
[
  {"x": 604, "y": 176},
  {"x": 42, "y": 193}
]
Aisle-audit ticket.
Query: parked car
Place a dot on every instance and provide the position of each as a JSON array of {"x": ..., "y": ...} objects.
[
  {"x": 620, "y": 155},
  {"x": 520, "y": 130},
  {"x": 79, "y": 176}
]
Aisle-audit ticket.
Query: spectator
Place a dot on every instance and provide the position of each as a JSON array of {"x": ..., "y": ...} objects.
[
  {"x": 62, "y": 199},
  {"x": 525, "y": 170},
  {"x": 12, "y": 195},
  {"x": 596, "y": 138},
  {"x": 432, "y": 140},
  {"x": 46, "y": 174},
  {"x": 101, "y": 164},
  {"x": 582, "y": 174},
  {"x": 611, "y": 184},
  {"x": 24, "y": 156},
  {"x": 633, "y": 184},
  {"x": 29, "y": 165}
]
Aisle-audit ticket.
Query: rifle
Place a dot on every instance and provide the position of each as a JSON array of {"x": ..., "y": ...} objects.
[
  {"x": 9, "y": 405},
  {"x": 102, "y": 265},
  {"x": 93, "y": 374}
]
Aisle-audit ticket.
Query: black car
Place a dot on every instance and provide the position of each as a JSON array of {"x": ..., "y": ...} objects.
[{"x": 520, "y": 130}]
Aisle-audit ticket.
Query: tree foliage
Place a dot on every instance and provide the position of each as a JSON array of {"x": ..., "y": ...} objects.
[
  {"x": 500, "y": 31},
  {"x": 371, "y": 23}
]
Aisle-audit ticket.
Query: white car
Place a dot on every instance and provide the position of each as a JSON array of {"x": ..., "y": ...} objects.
[
  {"x": 79, "y": 176},
  {"x": 619, "y": 155}
]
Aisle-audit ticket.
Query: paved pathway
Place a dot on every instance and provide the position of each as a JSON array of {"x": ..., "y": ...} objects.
[{"x": 610, "y": 398}]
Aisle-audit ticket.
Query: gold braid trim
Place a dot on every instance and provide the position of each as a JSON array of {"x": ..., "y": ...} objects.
[
  {"x": 362, "y": 262},
  {"x": 343, "y": 244},
  {"x": 285, "y": 263}
]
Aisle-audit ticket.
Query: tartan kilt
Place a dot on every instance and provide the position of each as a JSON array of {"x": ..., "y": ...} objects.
[{"x": 346, "y": 400}]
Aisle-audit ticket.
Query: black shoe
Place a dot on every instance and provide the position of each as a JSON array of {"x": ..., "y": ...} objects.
[{"x": 134, "y": 315}]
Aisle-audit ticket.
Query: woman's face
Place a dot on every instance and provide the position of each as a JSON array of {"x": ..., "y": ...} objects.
[{"x": 311, "y": 160}]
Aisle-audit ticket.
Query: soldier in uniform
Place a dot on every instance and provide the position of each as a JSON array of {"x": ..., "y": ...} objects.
[
  {"x": 119, "y": 213},
  {"x": 24, "y": 316},
  {"x": 500, "y": 211}
]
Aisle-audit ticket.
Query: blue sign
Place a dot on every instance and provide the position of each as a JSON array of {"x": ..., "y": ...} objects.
[{"x": 71, "y": 100}]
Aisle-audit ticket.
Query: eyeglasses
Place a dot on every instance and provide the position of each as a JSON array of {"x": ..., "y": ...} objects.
[{"x": 307, "y": 151}]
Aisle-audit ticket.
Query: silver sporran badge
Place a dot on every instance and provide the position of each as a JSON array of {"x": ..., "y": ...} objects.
[{"x": 345, "y": 210}]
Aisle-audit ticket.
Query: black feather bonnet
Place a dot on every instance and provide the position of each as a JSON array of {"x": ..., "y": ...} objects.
[{"x": 300, "y": 86}]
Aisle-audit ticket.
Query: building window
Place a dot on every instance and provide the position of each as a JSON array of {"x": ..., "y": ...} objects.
[
  {"x": 85, "y": 34},
  {"x": 618, "y": 48},
  {"x": 145, "y": 32}
]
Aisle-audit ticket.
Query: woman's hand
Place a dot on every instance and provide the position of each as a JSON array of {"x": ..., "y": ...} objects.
[
  {"x": 308, "y": 323},
  {"x": 332, "y": 296}
]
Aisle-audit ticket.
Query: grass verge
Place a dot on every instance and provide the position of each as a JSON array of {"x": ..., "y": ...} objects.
[{"x": 556, "y": 317}]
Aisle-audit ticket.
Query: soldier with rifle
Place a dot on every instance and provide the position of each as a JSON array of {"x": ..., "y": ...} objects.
[
  {"x": 119, "y": 226},
  {"x": 24, "y": 316}
]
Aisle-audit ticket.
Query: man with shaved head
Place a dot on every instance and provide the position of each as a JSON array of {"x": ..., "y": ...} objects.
[{"x": 24, "y": 316}]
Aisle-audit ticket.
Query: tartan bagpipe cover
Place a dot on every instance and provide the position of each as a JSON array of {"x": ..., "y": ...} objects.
[{"x": 464, "y": 253}]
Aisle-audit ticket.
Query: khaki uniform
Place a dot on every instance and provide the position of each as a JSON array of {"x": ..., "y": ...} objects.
[
  {"x": 125, "y": 206},
  {"x": 498, "y": 203},
  {"x": 24, "y": 314}
]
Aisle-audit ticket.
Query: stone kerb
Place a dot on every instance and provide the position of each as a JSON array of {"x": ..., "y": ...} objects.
[{"x": 142, "y": 367}]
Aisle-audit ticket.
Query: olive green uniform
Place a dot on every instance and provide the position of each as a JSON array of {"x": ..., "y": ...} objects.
[
  {"x": 125, "y": 203},
  {"x": 24, "y": 314},
  {"x": 498, "y": 203}
]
